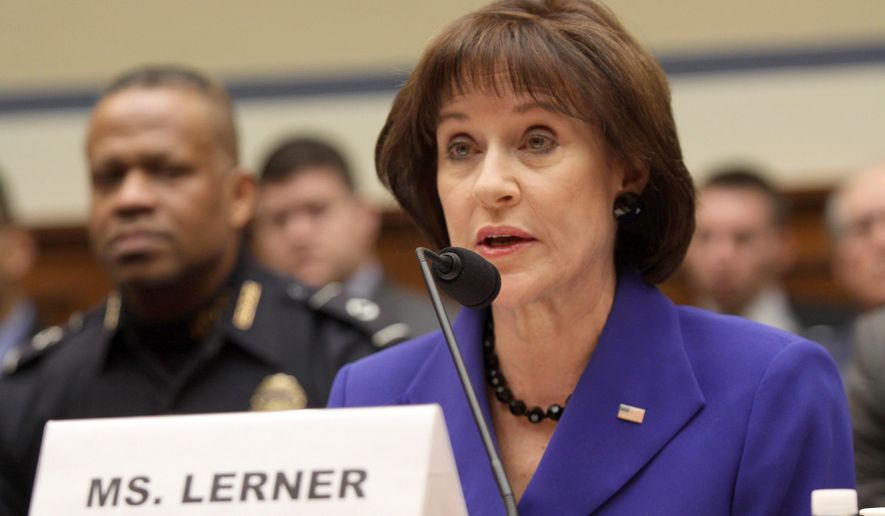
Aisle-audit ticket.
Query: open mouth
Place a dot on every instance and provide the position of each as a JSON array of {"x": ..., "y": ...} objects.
[
  {"x": 502, "y": 244},
  {"x": 499, "y": 241}
]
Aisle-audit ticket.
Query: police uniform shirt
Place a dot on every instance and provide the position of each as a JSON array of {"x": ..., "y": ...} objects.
[
  {"x": 268, "y": 344},
  {"x": 19, "y": 325}
]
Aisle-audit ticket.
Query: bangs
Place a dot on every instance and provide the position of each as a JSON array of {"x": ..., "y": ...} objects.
[
  {"x": 505, "y": 53},
  {"x": 572, "y": 57}
]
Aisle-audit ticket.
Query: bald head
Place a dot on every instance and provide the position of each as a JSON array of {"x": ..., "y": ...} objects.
[
  {"x": 860, "y": 189},
  {"x": 856, "y": 220},
  {"x": 181, "y": 77}
]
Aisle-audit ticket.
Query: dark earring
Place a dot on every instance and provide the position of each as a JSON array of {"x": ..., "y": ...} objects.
[{"x": 628, "y": 206}]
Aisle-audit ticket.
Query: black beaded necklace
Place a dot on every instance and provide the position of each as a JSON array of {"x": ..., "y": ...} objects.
[{"x": 496, "y": 379}]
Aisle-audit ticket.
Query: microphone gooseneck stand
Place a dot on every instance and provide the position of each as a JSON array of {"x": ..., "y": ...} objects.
[{"x": 498, "y": 468}]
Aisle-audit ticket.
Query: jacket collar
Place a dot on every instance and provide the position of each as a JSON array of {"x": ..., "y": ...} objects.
[
  {"x": 639, "y": 361},
  {"x": 437, "y": 382}
]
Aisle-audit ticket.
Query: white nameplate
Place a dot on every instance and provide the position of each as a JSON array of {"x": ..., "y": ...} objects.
[{"x": 390, "y": 461}]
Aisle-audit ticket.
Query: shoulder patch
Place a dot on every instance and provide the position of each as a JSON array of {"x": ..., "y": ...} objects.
[
  {"x": 363, "y": 314},
  {"x": 40, "y": 344},
  {"x": 11, "y": 360}
]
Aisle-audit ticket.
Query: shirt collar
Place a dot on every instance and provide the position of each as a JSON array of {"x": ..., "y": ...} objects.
[{"x": 365, "y": 281}]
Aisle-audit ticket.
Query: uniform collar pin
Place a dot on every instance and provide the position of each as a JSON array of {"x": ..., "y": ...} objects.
[
  {"x": 112, "y": 311},
  {"x": 247, "y": 305}
]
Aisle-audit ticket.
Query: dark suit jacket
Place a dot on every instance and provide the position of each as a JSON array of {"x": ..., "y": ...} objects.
[
  {"x": 866, "y": 392},
  {"x": 740, "y": 418}
]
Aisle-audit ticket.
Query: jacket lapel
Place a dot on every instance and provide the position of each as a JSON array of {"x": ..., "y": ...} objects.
[
  {"x": 639, "y": 361},
  {"x": 437, "y": 382}
]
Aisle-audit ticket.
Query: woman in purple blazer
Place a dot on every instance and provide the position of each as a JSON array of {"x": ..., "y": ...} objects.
[{"x": 539, "y": 134}]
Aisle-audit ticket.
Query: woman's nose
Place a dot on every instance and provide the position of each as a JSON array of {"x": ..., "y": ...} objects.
[{"x": 496, "y": 185}]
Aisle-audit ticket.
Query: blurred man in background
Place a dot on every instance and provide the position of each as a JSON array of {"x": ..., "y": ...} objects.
[
  {"x": 194, "y": 325},
  {"x": 855, "y": 217},
  {"x": 18, "y": 314},
  {"x": 866, "y": 396},
  {"x": 741, "y": 249},
  {"x": 856, "y": 220},
  {"x": 312, "y": 225}
]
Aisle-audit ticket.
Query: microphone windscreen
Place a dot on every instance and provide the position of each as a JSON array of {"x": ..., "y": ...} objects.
[{"x": 477, "y": 283}]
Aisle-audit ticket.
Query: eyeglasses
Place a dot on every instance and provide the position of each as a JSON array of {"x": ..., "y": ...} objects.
[{"x": 865, "y": 226}]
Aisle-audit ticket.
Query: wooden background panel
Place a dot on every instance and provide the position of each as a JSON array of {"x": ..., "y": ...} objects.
[
  {"x": 68, "y": 279},
  {"x": 810, "y": 280}
]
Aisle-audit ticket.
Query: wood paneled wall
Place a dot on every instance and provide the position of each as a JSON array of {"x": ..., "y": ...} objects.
[
  {"x": 810, "y": 280},
  {"x": 67, "y": 278}
]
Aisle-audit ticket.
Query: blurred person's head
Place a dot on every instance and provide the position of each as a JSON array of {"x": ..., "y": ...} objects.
[
  {"x": 740, "y": 245},
  {"x": 856, "y": 220},
  {"x": 311, "y": 223},
  {"x": 168, "y": 200},
  {"x": 520, "y": 130},
  {"x": 18, "y": 254}
]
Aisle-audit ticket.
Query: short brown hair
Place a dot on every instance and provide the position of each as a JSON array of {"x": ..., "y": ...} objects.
[
  {"x": 294, "y": 155},
  {"x": 575, "y": 56},
  {"x": 748, "y": 177}
]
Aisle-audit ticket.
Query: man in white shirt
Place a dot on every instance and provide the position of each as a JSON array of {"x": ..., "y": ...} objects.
[{"x": 741, "y": 249}]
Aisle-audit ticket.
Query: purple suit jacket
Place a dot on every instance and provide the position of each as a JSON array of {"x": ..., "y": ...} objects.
[{"x": 740, "y": 418}]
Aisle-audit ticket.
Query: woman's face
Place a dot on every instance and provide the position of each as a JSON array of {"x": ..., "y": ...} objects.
[{"x": 531, "y": 190}]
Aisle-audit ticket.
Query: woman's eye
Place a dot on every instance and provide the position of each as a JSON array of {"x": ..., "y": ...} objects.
[
  {"x": 459, "y": 150},
  {"x": 539, "y": 143}
]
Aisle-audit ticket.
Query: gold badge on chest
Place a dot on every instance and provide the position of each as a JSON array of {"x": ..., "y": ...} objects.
[{"x": 279, "y": 392}]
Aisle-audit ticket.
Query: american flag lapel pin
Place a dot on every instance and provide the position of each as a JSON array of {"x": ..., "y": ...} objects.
[{"x": 631, "y": 413}]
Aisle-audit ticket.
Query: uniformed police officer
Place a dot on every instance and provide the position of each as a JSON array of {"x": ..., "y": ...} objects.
[{"x": 194, "y": 325}]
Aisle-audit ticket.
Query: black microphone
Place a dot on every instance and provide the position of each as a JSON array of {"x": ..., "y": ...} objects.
[
  {"x": 473, "y": 282},
  {"x": 466, "y": 277}
]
